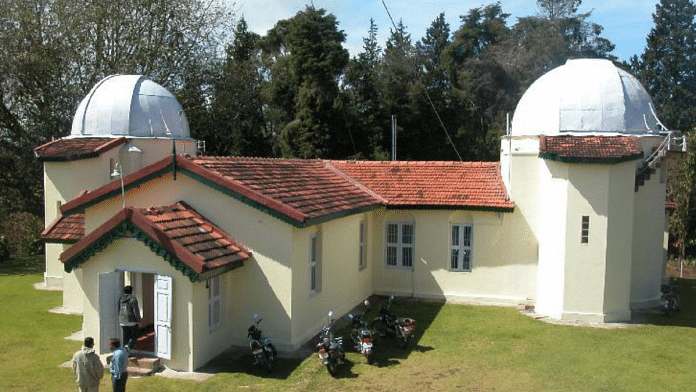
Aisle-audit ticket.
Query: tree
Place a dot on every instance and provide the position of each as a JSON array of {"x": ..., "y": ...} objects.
[
  {"x": 309, "y": 61},
  {"x": 364, "y": 99},
  {"x": 236, "y": 124},
  {"x": 666, "y": 66},
  {"x": 54, "y": 51}
]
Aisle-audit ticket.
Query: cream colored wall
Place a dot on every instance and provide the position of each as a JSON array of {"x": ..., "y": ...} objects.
[
  {"x": 343, "y": 284},
  {"x": 553, "y": 198},
  {"x": 131, "y": 254},
  {"x": 649, "y": 248},
  {"x": 264, "y": 283},
  {"x": 499, "y": 275}
]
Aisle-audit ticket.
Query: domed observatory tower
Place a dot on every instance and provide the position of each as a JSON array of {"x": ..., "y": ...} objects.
[
  {"x": 125, "y": 123},
  {"x": 582, "y": 163}
]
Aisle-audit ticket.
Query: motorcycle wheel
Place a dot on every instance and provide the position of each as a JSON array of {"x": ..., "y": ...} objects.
[
  {"x": 401, "y": 341},
  {"x": 673, "y": 304},
  {"x": 266, "y": 362},
  {"x": 370, "y": 358},
  {"x": 379, "y": 328},
  {"x": 331, "y": 367}
]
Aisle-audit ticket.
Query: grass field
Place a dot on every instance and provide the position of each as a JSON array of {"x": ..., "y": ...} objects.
[{"x": 457, "y": 347}]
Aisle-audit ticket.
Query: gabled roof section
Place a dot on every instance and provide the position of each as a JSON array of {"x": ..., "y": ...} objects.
[
  {"x": 590, "y": 149},
  {"x": 65, "y": 229},
  {"x": 428, "y": 184},
  {"x": 299, "y": 191},
  {"x": 72, "y": 149},
  {"x": 184, "y": 238}
]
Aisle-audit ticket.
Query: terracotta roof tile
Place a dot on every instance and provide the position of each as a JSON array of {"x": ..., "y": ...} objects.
[
  {"x": 178, "y": 228},
  {"x": 309, "y": 189},
  {"x": 70, "y": 149},
  {"x": 437, "y": 184},
  {"x": 600, "y": 149},
  {"x": 65, "y": 229}
]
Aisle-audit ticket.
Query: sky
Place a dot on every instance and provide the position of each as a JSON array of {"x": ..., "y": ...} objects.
[{"x": 626, "y": 23}]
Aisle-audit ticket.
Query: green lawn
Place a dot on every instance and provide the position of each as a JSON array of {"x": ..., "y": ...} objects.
[{"x": 457, "y": 347}]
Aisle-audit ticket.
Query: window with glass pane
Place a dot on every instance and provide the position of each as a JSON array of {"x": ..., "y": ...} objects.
[
  {"x": 399, "y": 244},
  {"x": 460, "y": 248},
  {"x": 363, "y": 257},
  {"x": 585, "y": 230},
  {"x": 214, "y": 303},
  {"x": 314, "y": 261}
]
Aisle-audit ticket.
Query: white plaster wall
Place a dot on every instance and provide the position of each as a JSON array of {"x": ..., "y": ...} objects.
[
  {"x": 503, "y": 258},
  {"x": 620, "y": 216},
  {"x": 131, "y": 254},
  {"x": 343, "y": 283},
  {"x": 649, "y": 249},
  {"x": 552, "y": 207}
]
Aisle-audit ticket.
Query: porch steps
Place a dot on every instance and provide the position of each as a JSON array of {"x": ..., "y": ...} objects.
[{"x": 141, "y": 366}]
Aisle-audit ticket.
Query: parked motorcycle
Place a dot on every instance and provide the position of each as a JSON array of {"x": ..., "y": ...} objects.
[
  {"x": 669, "y": 300},
  {"x": 261, "y": 347},
  {"x": 362, "y": 335},
  {"x": 330, "y": 348},
  {"x": 388, "y": 323}
]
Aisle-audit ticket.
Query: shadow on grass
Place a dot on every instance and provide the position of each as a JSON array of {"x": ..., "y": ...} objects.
[
  {"x": 386, "y": 353},
  {"x": 282, "y": 367},
  {"x": 23, "y": 265},
  {"x": 686, "y": 317}
]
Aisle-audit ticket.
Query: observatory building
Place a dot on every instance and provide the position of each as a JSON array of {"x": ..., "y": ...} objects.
[{"x": 571, "y": 219}]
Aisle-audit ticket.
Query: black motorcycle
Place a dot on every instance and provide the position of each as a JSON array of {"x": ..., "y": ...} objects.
[
  {"x": 388, "y": 323},
  {"x": 669, "y": 300},
  {"x": 362, "y": 335},
  {"x": 261, "y": 347},
  {"x": 330, "y": 348}
]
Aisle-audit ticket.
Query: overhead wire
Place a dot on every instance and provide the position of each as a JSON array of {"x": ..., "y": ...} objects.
[{"x": 425, "y": 90}]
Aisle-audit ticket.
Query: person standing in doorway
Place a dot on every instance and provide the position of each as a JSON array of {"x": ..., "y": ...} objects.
[
  {"x": 119, "y": 366},
  {"x": 129, "y": 316},
  {"x": 87, "y": 367}
]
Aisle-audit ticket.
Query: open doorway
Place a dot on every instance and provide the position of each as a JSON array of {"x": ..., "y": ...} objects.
[
  {"x": 154, "y": 294},
  {"x": 143, "y": 289}
]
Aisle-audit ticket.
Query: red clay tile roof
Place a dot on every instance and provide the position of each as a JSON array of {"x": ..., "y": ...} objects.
[
  {"x": 304, "y": 190},
  {"x": 589, "y": 149},
  {"x": 475, "y": 185},
  {"x": 178, "y": 229},
  {"x": 65, "y": 229},
  {"x": 71, "y": 149}
]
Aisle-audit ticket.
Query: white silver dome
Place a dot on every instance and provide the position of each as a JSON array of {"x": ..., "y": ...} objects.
[
  {"x": 130, "y": 105},
  {"x": 585, "y": 96}
]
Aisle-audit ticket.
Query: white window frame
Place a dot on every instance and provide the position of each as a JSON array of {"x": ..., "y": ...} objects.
[
  {"x": 315, "y": 263},
  {"x": 399, "y": 247},
  {"x": 461, "y": 247},
  {"x": 214, "y": 302},
  {"x": 362, "y": 239}
]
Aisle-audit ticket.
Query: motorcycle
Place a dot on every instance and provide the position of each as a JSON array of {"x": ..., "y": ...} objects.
[
  {"x": 261, "y": 347},
  {"x": 669, "y": 300},
  {"x": 388, "y": 323},
  {"x": 330, "y": 348},
  {"x": 362, "y": 335}
]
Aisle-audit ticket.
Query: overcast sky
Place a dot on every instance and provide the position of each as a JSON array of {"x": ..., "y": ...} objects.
[{"x": 626, "y": 23}]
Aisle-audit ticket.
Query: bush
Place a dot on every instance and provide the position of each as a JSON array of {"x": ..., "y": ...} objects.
[
  {"x": 4, "y": 249},
  {"x": 21, "y": 231}
]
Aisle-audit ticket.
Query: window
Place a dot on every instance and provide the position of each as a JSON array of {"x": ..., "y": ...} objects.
[
  {"x": 399, "y": 244},
  {"x": 315, "y": 263},
  {"x": 585, "y": 230},
  {"x": 460, "y": 248},
  {"x": 214, "y": 303},
  {"x": 362, "y": 263}
]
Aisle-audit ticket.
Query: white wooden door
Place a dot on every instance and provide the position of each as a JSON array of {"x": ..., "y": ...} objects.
[
  {"x": 110, "y": 289},
  {"x": 163, "y": 316}
]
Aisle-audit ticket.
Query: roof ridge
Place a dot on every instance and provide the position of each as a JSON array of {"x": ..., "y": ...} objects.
[{"x": 329, "y": 165}]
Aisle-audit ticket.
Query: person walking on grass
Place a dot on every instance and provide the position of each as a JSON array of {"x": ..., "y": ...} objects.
[
  {"x": 119, "y": 365},
  {"x": 87, "y": 367}
]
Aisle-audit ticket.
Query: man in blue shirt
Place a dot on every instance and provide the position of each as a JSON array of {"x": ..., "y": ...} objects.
[{"x": 119, "y": 366}]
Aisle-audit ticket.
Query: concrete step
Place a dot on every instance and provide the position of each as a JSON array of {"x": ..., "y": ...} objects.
[{"x": 140, "y": 366}]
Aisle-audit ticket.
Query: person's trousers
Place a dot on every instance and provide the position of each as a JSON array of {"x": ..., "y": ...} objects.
[
  {"x": 119, "y": 384},
  {"x": 130, "y": 335},
  {"x": 90, "y": 388}
]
